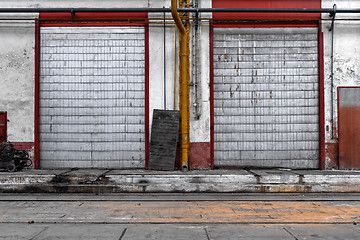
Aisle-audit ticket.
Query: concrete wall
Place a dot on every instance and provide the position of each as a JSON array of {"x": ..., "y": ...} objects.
[
  {"x": 17, "y": 73},
  {"x": 17, "y": 65},
  {"x": 200, "y": 128},
  {"x": 346, "y": 66}
]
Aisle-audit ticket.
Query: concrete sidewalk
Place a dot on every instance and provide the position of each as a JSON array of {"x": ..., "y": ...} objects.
[
  {"x": 119, "y": 181},
  {"x": 208, "y": 216},
  {"x": 180, "y": 212}
]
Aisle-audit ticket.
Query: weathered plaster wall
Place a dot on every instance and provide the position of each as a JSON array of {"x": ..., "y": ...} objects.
[
  {"x": 157, "y": 59},
  {"x": 199, "y": 128},
  {"x": 17, "y": 73},
  {"x": 346, "y": 65}
]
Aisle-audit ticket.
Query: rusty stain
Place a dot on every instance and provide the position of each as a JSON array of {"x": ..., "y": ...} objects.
[
  {"x": 237, "y": 87},
  {"x": 335, "y": 130},
  {"x": 271, "y": 95},
  {"x": 283, "y": 189},
  {"x": 349, "y": 141},
  {"x": 211, "y": 211},
  {"x": 331, "y": 155},
  {"x": 219, "y": 58},
  {"x": 257, "y": 179},
  {"x": 231, "y": 93},
  {"x": 301, "y": 179},
  {"x": 262, "y": 189},
  {"x": 239, "y": 72}
]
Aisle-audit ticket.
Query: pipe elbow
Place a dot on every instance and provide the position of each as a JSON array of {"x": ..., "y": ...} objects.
[{"x": 176, "y": 17}]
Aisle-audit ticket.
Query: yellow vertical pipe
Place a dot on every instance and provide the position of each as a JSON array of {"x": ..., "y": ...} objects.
[{"x": 183, "y": 88}]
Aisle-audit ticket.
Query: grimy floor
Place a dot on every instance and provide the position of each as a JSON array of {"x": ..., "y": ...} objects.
[{"x": 180, "y": 216}]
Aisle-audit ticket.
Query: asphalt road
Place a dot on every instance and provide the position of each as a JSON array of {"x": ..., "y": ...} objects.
[{"x": 179, "y": 216}]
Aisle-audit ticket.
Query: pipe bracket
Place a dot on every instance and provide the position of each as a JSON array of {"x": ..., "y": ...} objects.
[
  {"x": 333, "y": 15},
  {"x": 196, "y": 19},
  {"x": 72, "y": 15}
]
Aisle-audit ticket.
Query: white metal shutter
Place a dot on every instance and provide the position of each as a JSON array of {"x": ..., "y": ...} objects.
[
  {"x": 266, "y": 98},
  {"x": 92, "y": 97}
]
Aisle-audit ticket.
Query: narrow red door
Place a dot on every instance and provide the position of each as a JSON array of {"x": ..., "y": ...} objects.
[
  {"x": 349, "y": 128},
  {"x": 3, "y": 126}
]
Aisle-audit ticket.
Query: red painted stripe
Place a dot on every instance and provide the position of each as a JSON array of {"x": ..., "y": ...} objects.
[
  {"x": 27, "y": 146},
  {"x": 90, "y": 24},
  {"x": 211, "y": 95},
  {"x": 93, "y": 16},
  {"x": 269, "y": 24},
  {"x": 147, "y": 110},
  {"x": 266, "y": 4},
  {"x": 321, "y": 99},
  {"x": 200, "y": 155},
  {"x": 37, "y": 98},
  {"x": 92, "y": 19}
]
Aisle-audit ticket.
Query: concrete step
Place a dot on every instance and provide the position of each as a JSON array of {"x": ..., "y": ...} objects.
[{"x": 138, "y": 181}]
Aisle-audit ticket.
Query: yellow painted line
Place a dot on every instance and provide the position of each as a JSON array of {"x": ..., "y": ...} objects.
[
  {"x": 233, "y": 211},
  {"x": 266, "y": 212}
]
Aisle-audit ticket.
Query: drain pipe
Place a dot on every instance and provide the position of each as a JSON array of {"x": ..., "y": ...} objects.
[
  {"x": 332, "y": 15},
  {"x": 164, "y": 61},
  {"x": 183, "y": 90}
]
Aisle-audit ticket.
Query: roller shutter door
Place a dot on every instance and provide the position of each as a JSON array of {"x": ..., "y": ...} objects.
[
  {"x": 266, "y": 97},
  {"x": 92, "y": 97}
]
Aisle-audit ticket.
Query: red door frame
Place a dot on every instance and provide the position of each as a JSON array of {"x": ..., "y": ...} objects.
[
  {"x": 3, "y": 125},
  {"x": 272, "y": 24},
  {"x": 89, "y": 20}
]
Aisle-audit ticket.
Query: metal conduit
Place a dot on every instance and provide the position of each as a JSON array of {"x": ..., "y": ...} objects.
[
  {"x": 249, "y": 10},
  {"x": 332, "y": 29},
  {"x": 271, "y": 10},
  {"x": 164, "y": 28},
  {"x": 183, "y": 89}
]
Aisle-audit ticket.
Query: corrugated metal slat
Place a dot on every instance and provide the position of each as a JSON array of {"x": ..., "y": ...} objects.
[
  {"x": 92, "y": 97},
  {"x": 266, "y": 97}
]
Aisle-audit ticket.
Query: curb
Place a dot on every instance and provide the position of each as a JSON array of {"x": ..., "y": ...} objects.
[{"x": 218, "y": 181}]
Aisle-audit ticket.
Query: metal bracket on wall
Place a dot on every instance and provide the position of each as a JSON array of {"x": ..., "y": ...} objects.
[
  {"x": 333, "y": 15},
  {"x": 197, "y": 18},
  {"x": 72, "y": 15}
]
